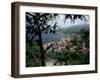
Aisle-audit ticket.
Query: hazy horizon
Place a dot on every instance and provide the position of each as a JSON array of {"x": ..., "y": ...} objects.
[{"x": 61, "y": 23}]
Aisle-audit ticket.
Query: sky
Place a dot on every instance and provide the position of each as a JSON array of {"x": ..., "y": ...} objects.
[{"x": 60, "y": 20}]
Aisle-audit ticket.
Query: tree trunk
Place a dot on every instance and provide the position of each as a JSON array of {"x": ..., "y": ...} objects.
[{"x": 41, "y": 49}]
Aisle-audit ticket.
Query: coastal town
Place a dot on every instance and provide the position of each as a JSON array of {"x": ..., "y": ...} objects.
[{"x": 62, "y": 46}]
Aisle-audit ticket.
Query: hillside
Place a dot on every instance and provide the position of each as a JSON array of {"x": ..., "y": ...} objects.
[
  {"x": 61, "y": 33},
  {"x": 73, "y": 29}
]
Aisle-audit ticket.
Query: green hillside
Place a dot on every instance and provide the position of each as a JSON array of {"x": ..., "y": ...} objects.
[{"x": 73, "y": 29}]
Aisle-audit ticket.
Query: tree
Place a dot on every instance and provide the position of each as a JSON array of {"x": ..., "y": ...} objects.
[{"x": 36, "y": 25}]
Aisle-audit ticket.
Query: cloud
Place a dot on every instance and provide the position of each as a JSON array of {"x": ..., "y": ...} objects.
[{"x": 60, "y": 19}]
